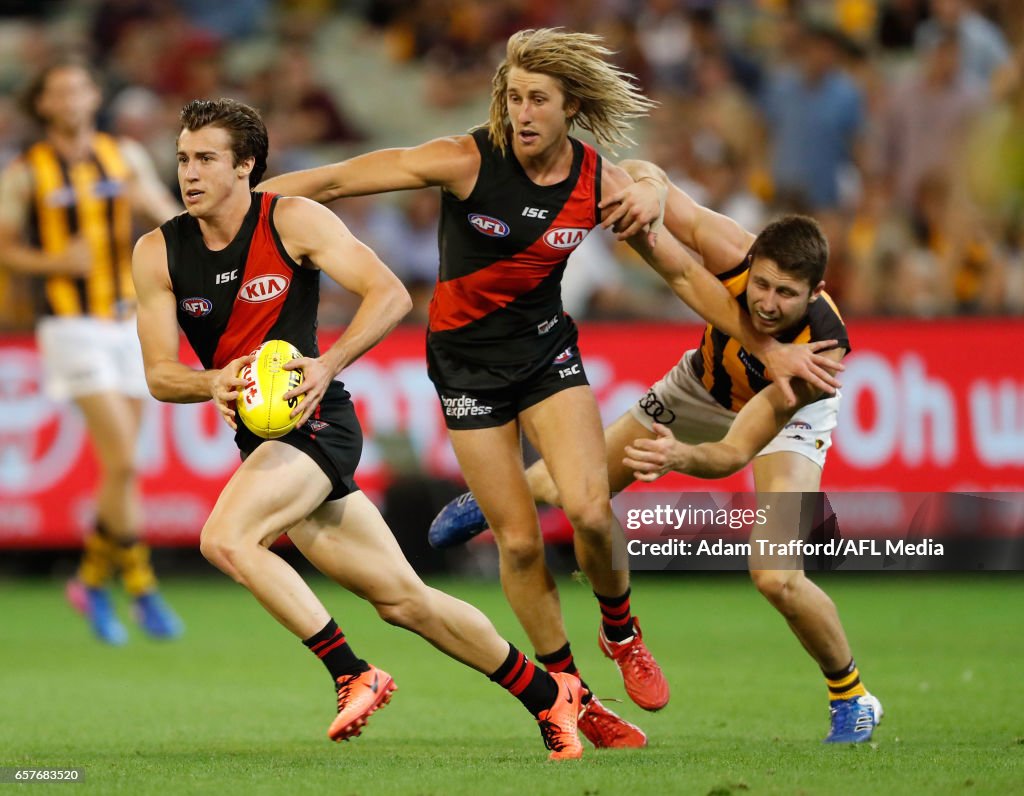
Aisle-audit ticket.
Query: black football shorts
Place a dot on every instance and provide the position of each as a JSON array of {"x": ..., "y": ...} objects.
[
  {"x": 331, "y": 437},
  {"x": 491, "y": 407}
]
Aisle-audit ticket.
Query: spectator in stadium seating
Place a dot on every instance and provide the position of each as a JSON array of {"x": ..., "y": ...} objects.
[
  {"x": 983, "y": 48},
  {"x": 815, "y": 114},
  {"x": 718, "y": 391},
  {"x": 926, "y": 118},
  {"x": 300, "y": 112},
  {"x": 66, "y": 209},
  {"x": 301, "y": 483}
]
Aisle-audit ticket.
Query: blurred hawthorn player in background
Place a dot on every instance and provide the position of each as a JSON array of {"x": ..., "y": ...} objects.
[
  {"x": 254, "y": 261},
  {"x": 66, "y": 210},
  {"x": 719, "y": 390},
  {"x": 517, "y": 197}
]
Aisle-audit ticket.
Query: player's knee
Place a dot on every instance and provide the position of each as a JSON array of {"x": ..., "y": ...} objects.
[
  {"x": 120, "y": 469},
  {"x": 408, "y": 612},
  {"x": 521, "y": 551},
  {"x": 219, "y": 551},
  {"x": 590, "y": 519},
  {"x": 776, "y": 585}
]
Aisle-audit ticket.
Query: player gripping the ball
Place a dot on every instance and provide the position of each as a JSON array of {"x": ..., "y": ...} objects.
[{"x": 240, "y": 269}]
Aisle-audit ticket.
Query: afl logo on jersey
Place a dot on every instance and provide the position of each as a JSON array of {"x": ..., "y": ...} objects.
[
  {"x": 565, "y": 238},
  {"x": 264, "y": 288},
  {"x": 564, "y": 357},
  {"x": 197, "y": 306},
  {"x": 492, "y": 227}
]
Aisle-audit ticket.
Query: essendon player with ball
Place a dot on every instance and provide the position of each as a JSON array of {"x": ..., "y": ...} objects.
[{"x": 240, "y": 268}]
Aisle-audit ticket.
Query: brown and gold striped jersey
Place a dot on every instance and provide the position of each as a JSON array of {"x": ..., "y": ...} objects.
[
  {"x": 732, "y": 374},
  {"x": 89, "y": 199}
]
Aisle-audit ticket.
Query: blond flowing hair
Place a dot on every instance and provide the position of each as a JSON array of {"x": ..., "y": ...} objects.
[{"x": 607, "y": 96}]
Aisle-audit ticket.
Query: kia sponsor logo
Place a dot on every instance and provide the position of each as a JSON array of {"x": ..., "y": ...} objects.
[
  {"x": 566, "y": 238},
  {"x": 490, "y": 226},
  {"x": 196, "y": 306},
  {"x": 264, "y": 288}
]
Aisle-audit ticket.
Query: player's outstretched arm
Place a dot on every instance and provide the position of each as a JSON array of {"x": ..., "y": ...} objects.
[
  {"x": 697, "y": 287},
  {"x": 314, "y": 236},
  {"x": 754, "y": 427},
  {"x": 702, "y": 291},
  {"x": 168, "y": 378},
  {"x": 450, "y": 163}
]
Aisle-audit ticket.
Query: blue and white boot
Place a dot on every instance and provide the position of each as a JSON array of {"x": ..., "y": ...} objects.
[
  {"x": 854, "y": 720},
  {"x": 457, "y": 523}
]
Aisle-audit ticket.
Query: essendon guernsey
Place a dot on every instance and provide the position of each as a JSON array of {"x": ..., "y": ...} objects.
[
  {"x": 729, "y": 372},
  {"x": 503, "y": 251},
  {"x": 232, "y": 300}
]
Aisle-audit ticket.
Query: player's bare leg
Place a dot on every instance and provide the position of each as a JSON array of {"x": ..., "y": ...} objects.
[
  {"x": 580, "y": 474},
  {"x": 617, "y": 436},
  {"x": 275, "y": 488},
  {"x": 113, "y": 421},
  {"x": 349, "y": 542},
  {"x": 790, "y": 482},
  {"x": 576, "y": 462},
  {"x": 491, "y": 462},
  {"x": 810, "y": 612}
]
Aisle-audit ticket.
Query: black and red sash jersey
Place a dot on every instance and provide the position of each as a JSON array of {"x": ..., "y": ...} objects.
[
  {"x": 503, "y": 250},
  {"x": 230, "y": 301},
  {"x": 731, "y": 373}
]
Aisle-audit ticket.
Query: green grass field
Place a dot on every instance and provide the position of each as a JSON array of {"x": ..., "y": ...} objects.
[{"x": 238, "y": 706}]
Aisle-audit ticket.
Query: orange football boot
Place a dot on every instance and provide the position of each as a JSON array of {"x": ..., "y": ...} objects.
[
  {"x": 644, "y": 681},
  {"x": 359, "y": 695},
  {"x": 606, "y": 730},
  {"x": 558, "y": 723}
]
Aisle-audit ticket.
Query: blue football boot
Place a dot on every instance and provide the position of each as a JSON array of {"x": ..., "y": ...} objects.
[
  {"x": 854, "y": 720},
  {"x": 457, "y": 523},
  {"x": 156, "y": 618},
  {"x": 95, "y": 605}
]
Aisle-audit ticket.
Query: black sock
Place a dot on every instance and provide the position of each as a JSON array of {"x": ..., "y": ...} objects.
[
  {"x": 330, "y": 646},
  {"x": 534, "y": 687},
  {"x": 561, "y": 660},
  {"x": 616, "y": 619}
]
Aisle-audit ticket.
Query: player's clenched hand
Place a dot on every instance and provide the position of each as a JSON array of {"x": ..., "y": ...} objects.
[
  {"x": 316, "y": 377},
  {"x": 783, "y": 363},
  {"x": 650, "y": 459},
  {"x": 226, "y": 387},
  {"x": 640, "y": 207}
]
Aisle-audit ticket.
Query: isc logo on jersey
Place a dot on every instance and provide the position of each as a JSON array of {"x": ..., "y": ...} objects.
[
  {"x": 565, "y": 238},
  {"x": 261, "y": 404},
  {"x": 263, "y": 288},
  {"x": 490, "y": 226}
]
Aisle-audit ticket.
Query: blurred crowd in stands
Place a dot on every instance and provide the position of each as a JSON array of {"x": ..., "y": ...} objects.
[{"x": 899, "y": 124}]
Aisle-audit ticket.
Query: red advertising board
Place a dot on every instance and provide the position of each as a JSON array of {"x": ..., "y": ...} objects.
[{"x": 927, "y": 407}]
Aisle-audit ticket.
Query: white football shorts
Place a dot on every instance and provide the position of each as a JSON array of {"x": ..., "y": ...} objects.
[
  {"x": 83, "y": 356},
  {"x": 681, "y": 402}
]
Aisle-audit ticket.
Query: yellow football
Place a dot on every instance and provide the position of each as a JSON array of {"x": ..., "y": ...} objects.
[{"x": 261, "y": 405}]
